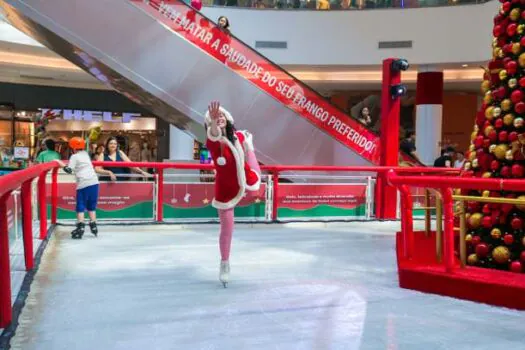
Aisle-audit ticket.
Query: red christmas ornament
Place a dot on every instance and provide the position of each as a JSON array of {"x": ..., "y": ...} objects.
[
  {"x": 522, "y": 40},
  {"x": 508, "y": 239},
  {"x": 513, "y": 136},
  {"x": 478, "y": 142},
  {"x": 500, "y": 93},
  {"x": 486, "y": 144},
  {"x": 505, "y": 171},
  {"x": 482, "y": 250},
  {"x": 522, "y": 80},
  {"x": 517, "y": 170},
  {"x": 494, "y": 165},
  {"x": 520, "y": 107},
  {"x": 486, "y": 209},
  {"x": 493, "y": 136},
  {"x": 512, "y": 28},
  {"x": 503, "y": 136},
  {"x": 517, "y": 95},
  {"x": 522, "y": 256},
  {"x": 506, "y": 6},
  {"x": 486, "y": 222},
  {"x": 515, "y": 266},
  {"x": 516, "y": 223}
]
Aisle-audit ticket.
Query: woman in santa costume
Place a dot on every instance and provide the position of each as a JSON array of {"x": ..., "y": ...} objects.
[{"x": 237, "y": 174}]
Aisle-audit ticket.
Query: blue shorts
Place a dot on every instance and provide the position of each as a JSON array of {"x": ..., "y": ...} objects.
[{"x": 87, "y": 199}]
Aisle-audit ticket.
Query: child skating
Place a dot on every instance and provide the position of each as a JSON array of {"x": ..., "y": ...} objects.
[
  {"x": 87, "y": 186},
  {"x": 237, "y": 174}
]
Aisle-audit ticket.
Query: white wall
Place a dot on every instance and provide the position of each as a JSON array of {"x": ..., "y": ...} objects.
[{"x": 439, "y": 35}]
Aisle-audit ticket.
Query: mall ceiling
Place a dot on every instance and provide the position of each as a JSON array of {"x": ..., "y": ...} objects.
[{"x": 34, "y": 65}]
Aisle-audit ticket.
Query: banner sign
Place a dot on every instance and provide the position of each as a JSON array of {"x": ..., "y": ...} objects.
[
  {"x": 193, "y": 201},
  {"x": 116, "y": 200},
  {"x": 266, "y": 75},
  {"x": 326, "y": 200}
]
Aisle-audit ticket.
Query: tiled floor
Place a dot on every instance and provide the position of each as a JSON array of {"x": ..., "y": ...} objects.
[{"x": 299, "y": 287}]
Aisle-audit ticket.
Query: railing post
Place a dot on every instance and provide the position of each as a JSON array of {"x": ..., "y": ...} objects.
[
  {"x": 27, "y": 222},
  {"x": 439, "y": 228},
  {"x": 42, "y": 205},
  {"x": 160, "y": 196},
  {"x": 275, "y": 183},
  {"x": 369, "y": 197},
  {"x": 448, "y": 239},
  {"x": 406, "y": 217},
  {"x": 428, "y": 216},
  {"x": 54, "y": 195},
  {"x": 5, "y": 270},
  {"x": 462, "y": 233}
]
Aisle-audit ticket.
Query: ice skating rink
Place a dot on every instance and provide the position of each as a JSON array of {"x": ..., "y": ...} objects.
[{"x": 303, "y": 287}]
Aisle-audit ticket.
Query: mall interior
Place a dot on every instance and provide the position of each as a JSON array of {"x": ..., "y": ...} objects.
[{"x": 369, "y": 171}]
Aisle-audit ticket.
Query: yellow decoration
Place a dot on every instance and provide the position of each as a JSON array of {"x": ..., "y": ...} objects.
[
  {"x": 486, "y": 175},
  {"x": 506, "y": 105},
  {"x": 485, "y": 86},
  {"x": 468, "y": 238},
  {"x": 488, "y": 130},
  {"x": 513, "y": 83},
  {"x": 472, "y": 259},
  {"x": 508, "y": 119},
  {"x": 475, "y": 220},
  {"x": 488, "y": 97},
  {"x": 472, "y": 156},
  {"x": 516, "y": 48},
  {"x": 501, "y": 254},
  {"x": 509, "y": 155},
  {"x": 492, "y": 148},
  {"x": 473, "y": 135},
  {"x": 475, "y": 163},
  {"x": 496, "y": 112},
  {"x": 500, "y": 151},
  {"x": 521, "y": 28},
  {"x": 471, "y": 148},
  {"x": 521, "y": 206},
  {"x": 495, "y": 233},
  {"x": 521, "y": 60},
  {"x": 489, "y": 113},
  {"x": 515, "y": 14},
  {"x": 485, "y": 193},
  {"x": 503, "y": 74}
]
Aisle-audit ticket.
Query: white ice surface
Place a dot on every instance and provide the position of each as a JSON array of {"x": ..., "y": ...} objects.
[{"x": 299, "y": 287}]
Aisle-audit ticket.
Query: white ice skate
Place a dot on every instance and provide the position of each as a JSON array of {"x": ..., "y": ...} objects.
[{"x": 224, "y": 275}]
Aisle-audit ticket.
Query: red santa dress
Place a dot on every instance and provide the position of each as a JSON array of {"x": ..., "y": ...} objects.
[{"x": 233, "y": 174}]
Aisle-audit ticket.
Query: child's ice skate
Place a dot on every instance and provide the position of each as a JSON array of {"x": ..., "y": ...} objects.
[
  {"x": 78, "y": 232},
  {"x": 93, "y": 227},
  {"x": 224, "y": 275}
]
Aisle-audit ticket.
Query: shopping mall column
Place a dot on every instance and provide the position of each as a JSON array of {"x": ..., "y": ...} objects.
[
  {"x": 181, "y": 145},
  {"x": 429, "y": 114}
]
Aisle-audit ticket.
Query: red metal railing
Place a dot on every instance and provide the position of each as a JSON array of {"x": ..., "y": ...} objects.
[
  {"x": 444, "y": 185},
  {"x": 23, "y": 179}
]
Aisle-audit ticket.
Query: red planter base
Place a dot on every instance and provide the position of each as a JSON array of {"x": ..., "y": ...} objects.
[{"x": 423, "y": 273}]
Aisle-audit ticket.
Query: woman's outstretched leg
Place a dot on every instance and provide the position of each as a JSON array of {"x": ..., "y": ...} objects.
[{"x": 225, "y": 241}]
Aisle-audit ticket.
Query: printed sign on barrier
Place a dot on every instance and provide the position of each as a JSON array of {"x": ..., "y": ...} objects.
[
  {"x": 11, "y": 212},
  {"x": 193, "y": 201},
  {"x": 321, "y": 200},
  {"x": 116, "y": 200}
]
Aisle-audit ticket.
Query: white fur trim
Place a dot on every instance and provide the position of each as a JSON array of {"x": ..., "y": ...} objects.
[
  {"x": 238, "y": 154},
  {"x": 207, "y": 117},
  {"x": 213, "y": 138}
]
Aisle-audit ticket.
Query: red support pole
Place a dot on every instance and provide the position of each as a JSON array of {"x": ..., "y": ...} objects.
[
  {"x": 42, "y": 205},
  {"x": 27, "y": 223},
  {"x": 5, "y": 270},
  {"x": 407, "y": 218},
  {"x": 54, "y": 196},
  {"x": 160, "y": 195},
  {"x": 448, "y": 237},
  {"x": 390, "y": 111},
  {"x": 275, "y": 207}
]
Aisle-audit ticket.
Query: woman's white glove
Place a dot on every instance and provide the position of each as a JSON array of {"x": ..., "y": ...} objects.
[{"x": 248, "y": 141}]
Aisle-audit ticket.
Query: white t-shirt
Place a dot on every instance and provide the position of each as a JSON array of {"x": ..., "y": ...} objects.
[
  {"x": 84, "y": 171},
  {"x": 459, "y": 164}
]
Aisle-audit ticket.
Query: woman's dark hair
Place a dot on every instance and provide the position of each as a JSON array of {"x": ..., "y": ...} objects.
[
  {"x": 106, "y": 147},
  {"x": 50, "y": 144},
  {"x": 230, "y": 132},
  {"x": 227, "y": 26}
]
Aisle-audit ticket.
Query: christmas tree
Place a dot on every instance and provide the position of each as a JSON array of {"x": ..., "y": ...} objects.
[{"x": 496, "y": 238}]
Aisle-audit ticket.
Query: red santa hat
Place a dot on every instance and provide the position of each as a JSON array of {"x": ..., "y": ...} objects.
[{"x": 227, "y": 115}]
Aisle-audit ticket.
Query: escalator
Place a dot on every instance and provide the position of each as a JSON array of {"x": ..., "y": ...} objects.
[{"x": 172, "y": 61}]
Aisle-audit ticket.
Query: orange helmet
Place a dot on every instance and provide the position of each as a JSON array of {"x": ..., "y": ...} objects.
[{"x": 77, "y": 143}]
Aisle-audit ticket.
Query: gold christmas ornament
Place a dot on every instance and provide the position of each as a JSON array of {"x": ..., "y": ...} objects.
[
  {"x": 518, "y": 122},
  {"x": 468, "y": 238},
  {"x": 488, "y": 97},
  {"x": 472, "y": 259},
  {"x": 521, "y": 206},
  {"x": 515, "y": 14},
  {"x": 509, "y": 155},
  {"x": 473, "y": 135},
  {"x": 489, "y": 113},
  {"x": 512, "y": 83},
  {"x": 516, "y": 48},
  {"x": 488, "y": 130},
  {"x": 501, "y": 254},
  {"x": 521, "y": 60},
  {"x": 475, "y": 220},
  {"x": 467, "y": 166},
  {"x": 520, "y": 29},
  {"x": 501, "y": 54},
  {"x": 523, "y": 241},
  {"x": 492, "y": 148},
  {"x": 496, "y": 112},
  {"x": 508, "y": 119},
  {"x": 486, "y": 175},
  {"x": 500, "y": 151},
  {"x": 506, "y": 105},
  {"x": 471, "y": 148},
  {"x": 502, "y": 73},
  {"x": 485, "y": 193},
  {"x": 485, "y": 85},
  {"x": 495, "y": 233},
  {"x": 475, "y": 163}
]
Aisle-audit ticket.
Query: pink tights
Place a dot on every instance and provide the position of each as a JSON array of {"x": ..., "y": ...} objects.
[{"x": 226, "y": 216}]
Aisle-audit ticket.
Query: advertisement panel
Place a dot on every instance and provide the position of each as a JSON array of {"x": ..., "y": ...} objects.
[
  {"x": 193, "y": 201},
  {"x": 117, "y": 200},
  {"x": 321, "y": 200}
]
